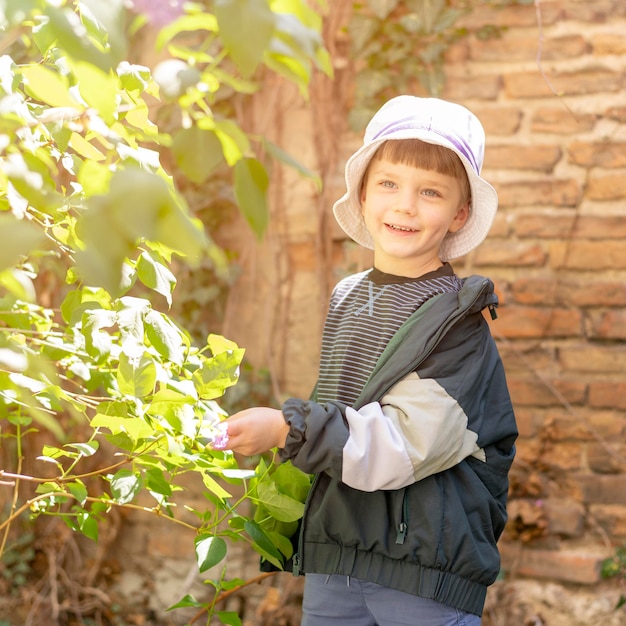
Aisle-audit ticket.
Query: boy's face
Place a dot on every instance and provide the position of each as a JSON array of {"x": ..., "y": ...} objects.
[{"x": 408, "y": 211}]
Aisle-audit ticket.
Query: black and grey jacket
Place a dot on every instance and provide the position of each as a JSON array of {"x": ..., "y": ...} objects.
[{"x": 412, "y": 479}]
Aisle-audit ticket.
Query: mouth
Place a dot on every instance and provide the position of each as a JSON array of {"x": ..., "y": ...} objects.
[{"x": 401, "y": 229}]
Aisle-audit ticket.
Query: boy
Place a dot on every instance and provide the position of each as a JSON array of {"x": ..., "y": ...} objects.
[{"x": 410, "y": 431}]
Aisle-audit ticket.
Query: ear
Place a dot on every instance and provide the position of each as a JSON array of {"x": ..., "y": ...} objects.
[{"x": 459, "y": 220}]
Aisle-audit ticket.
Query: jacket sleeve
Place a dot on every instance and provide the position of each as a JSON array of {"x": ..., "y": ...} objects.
[
  {"x": 416, "y": 430},
  {"x": 454, "y": 406}
]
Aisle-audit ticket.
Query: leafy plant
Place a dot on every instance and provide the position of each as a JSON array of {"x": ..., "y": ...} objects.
[
  {"x": 615, "y": 567},
  {"x": 87, "y": 206},
  {"x": 401, "y": 46}
]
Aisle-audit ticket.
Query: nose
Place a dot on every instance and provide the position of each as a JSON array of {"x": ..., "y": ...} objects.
[{"x": 406, "y": 202}]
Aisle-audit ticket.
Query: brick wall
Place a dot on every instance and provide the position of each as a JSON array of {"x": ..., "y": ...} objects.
[
  {"x": 551, "y": 93},
  {"x": 558, "y": 257}
]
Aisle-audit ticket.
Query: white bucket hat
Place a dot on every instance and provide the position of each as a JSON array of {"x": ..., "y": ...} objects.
[{"x": 434, "y": 121}]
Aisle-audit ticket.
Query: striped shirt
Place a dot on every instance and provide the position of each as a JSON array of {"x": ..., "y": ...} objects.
[{"x": 365, "y": 312}]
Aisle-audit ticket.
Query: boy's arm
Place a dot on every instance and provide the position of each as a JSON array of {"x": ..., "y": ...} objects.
[{"x": 455, "y": 406}]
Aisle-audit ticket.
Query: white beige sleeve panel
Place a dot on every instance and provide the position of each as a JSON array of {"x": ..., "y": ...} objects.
[{"x": 415, "y": 431}]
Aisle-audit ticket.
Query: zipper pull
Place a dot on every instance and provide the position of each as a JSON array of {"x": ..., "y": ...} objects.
[
  {"x": 493, "y": 312},
  {"x": 401, "y": 535},
  {"x": 296, "y": 564}
]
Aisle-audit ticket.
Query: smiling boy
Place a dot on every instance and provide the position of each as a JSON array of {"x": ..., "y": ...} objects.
[{"x": 410, "y": 430}]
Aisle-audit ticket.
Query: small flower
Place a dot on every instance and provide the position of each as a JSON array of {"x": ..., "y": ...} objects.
[
  {"x": 159, "y": 12},
  {"x": 220, "y": 436}
]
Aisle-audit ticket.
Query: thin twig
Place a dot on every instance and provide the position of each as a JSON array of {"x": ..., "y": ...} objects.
[{"x": 226, "y": 594}]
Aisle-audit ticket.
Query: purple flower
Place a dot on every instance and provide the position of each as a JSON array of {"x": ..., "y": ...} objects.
[
  {"x": 220, "y": 437},
  {"x": 159, "y": 12}
]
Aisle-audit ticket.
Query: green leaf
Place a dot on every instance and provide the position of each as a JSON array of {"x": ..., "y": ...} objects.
[
  {"x": 229, "y": 618},
  {"x": 198, "y": 152},
  {"x": 263, "y": 543},
  {"x": 280, "y": 154},
  {"x": 136, "y": 377},
  {"x": 210, "y": 550},
  {"x": 245, "y": 27},
  {"x": 382, "y": 8},
  {"x": 88, "y": 525},
  {"x": 218, "y": 344},
  {"x": 235, "y": 143},
  {"x": 251, "y": 182},
  {"x": 17, "y": 238},
  {"x": 135, "y": 428},
  {"x": 187, "y": 602},
  {"x": 97, "y": 342},
  {"x": 199, "y": 21},
  {"x": 98, "y": 89},
  {"x": 86, "y": 449},
  {"x": 156, "y": 482},
  {"x": 125, "y": 486},
  {"x": 292, "y": 481},
  {"x": 217, "y": 374},
  {"x": 279, "y": 506},
  {"x": 214, "y": 487},
  {"x": 79, "y": 491},
  {"x": 166, "y": 337},
  {"x": 156, "y": 275},
  {"x": 48, "y": 86}
]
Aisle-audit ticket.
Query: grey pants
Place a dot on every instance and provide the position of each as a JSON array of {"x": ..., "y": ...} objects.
[{"x": 330, "y": 600}]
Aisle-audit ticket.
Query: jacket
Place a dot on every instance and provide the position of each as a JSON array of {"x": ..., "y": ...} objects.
[{"x": 411, "y": 482}]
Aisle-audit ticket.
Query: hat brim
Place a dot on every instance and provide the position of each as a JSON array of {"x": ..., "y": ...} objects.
[{"x": 483, "y": 206}]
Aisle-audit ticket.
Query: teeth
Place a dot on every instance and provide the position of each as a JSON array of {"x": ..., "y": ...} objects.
[{"x": 401, "y": 228}]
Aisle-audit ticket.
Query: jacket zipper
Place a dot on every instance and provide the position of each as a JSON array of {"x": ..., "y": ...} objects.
[{"x": 403, "y": 526}]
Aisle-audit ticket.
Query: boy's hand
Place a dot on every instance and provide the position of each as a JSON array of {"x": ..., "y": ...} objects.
[{"x": 255, "y": 430}]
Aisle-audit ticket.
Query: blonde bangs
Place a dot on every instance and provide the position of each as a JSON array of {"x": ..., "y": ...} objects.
[{"x": 426, "y": 156}]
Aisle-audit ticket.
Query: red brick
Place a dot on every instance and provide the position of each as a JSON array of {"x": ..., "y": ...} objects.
[
  {"x": 605, "y": 227},
  {"x": 507, "y": 17},
  {"x": 570, "y": 566},
  {"x": 598, "y": 11},
  {"x": 565, "y": 517},
  {"x": 582, "y": 425},
  {"x": 592, "y": 359},
  {"x": 526, "y": 48},
  {"x": 554, "y": 192},
  {"x": 510, "y": 255},
  {"x": 561, "y": 120},
  {"x": 478, "y": 87},
  {"x": 500, "y": 120},
  {"x": 566, "y": 225},
  {"x": 526, "y": 419},
  {"x": 616, "y": 113},
  {"x": 526, "y": 322},
  {"x": 607, "y": 457},
  {"x": 603, "y": 394},
  {"x": 611, "y": 517},
  {"x": 603, "y": 186},
  {"x": 588, "y": 255},
  {"x": 545, "y": 226},
  {"x": 534, "y": 85},
  {"x": 608, "y": 43},
  {"x": 541, "y": 158},
  {"x": 602, "y": 489},
  {"x": 564, "y": 456},
  {"x": 608, "y": 325},
  {"x": 599, "y": 154},
  {"x": 539, "y": 393}
]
